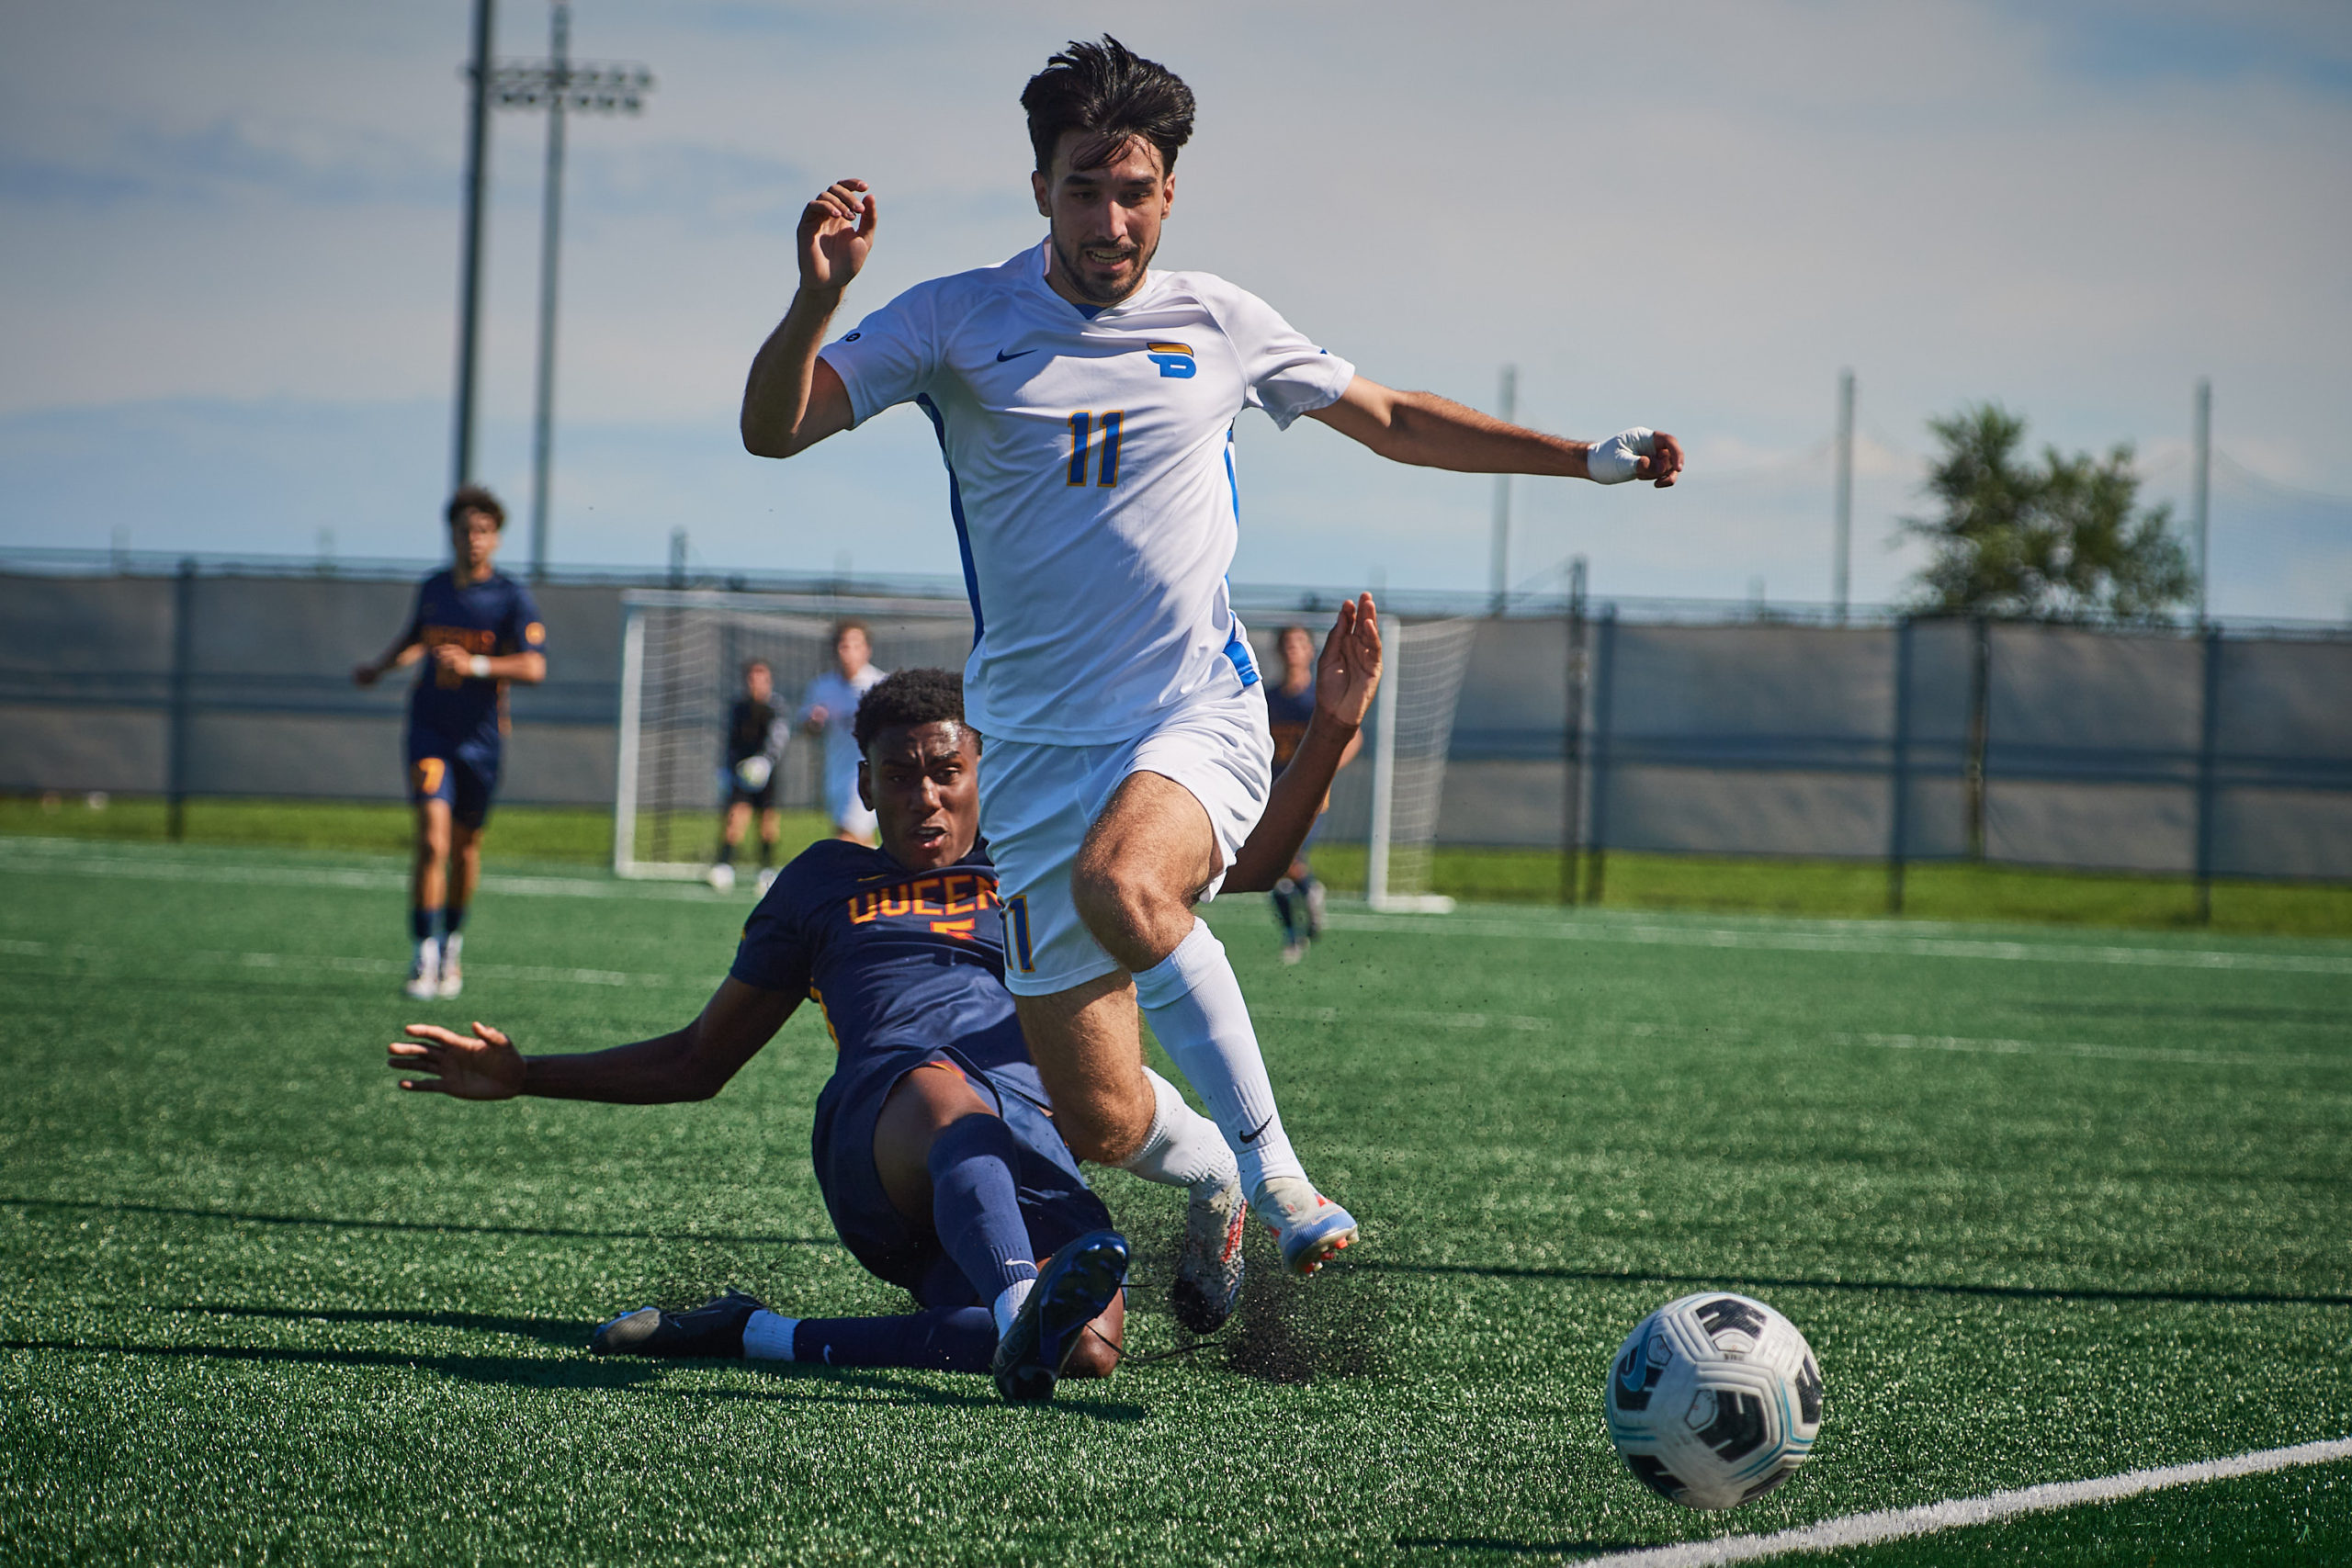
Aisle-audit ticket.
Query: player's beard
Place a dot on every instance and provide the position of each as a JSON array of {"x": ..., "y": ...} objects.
[{"x": 1068, "y": 261}]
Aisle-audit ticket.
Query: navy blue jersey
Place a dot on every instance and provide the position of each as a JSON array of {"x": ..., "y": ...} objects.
[
  {"x": 492, "y": 616},
  {"x": 1287, "y": 716},
  {"x": 898, "y": 960}
]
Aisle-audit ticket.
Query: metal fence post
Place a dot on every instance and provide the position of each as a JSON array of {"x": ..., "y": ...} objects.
[
  {"x": 2209, "y": 731},
  {"x": 1899, "y": 771},
  {"x": 1572, "y": 834},
  {"x": 1980, "y": 702},
  {"x": 183, "y": 659},
  {"x": 1596, "y": 854}
]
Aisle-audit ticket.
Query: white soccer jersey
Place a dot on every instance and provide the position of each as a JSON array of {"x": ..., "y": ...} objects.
[
  {"x": 1090, "y": 469},
  {"x": 839, "y": 698}
]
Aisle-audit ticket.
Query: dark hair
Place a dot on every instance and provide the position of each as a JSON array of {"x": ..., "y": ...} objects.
[
  {"x": 752, "y": 664},
  {"x": 909, "y": 698},
  {"x": 849, "y": 624},
  {"x": 1111, "y": 94},
  {"x": 476, "y": 498},
  {"x": 1282, "y": 636}
]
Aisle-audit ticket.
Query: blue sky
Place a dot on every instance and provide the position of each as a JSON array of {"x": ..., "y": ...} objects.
[{"x": 228, "y": 260}]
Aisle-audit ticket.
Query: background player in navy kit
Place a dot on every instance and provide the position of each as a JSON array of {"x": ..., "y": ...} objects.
[
  {"x": 755, "y": 741},
  {"x": 1290, "y": 707},
  {"x": 939, "y": 1164},
  {"x": 476, "y": 629}
]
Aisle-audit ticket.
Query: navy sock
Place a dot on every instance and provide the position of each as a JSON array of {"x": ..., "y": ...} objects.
[
  {"x": 452, "y": 918},
  {"x": 421, "y": 922},
  {"x": 1282, "y": 911},
  {"x": 767, "y": 849},
  {"x": 945, "y": 1339},
  {"x": 974, "y": 1206},
  {"x": 726, "y": 852}
]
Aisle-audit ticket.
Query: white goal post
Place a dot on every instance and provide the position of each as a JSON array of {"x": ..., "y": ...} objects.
[
  {"x": 1412, "y": 729},
  {"x": 682, "y": 654}
]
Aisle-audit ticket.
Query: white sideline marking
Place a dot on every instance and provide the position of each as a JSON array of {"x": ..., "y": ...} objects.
[
  {"x": 299, "y": 961},
  {"x": 1888, "y": 944},
  {"x": 1894, "y": 1523},
  {"x": 61, "y": 861},
  {"x": 1527, "y": 1025},
  {"x": 1519, "y": 1022}
]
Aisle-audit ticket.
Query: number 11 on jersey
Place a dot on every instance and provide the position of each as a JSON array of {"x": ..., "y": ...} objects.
[{"x": 1082, "y": 428}]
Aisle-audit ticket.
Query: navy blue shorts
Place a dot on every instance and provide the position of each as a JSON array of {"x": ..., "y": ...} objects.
[
  {"x": 463, "y": 775},
  {"x": 1056, "y": 1203}
]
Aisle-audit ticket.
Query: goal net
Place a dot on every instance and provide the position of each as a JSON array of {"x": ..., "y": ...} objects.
[
  {"x": 681, "y": 669},
  {"x": 1412, "y": 729}
]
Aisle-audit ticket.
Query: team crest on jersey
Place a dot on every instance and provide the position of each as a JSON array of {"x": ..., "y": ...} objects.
[{"x": 1174, "y": 359}]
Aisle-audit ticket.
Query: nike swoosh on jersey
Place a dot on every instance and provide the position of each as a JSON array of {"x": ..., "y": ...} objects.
[{"x": 1002, "y": 357}]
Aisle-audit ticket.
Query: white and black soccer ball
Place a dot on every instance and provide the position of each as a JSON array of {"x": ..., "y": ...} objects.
[
  {"x": 754, "y": 772},
  {"x": 1713, "y": 1400}
]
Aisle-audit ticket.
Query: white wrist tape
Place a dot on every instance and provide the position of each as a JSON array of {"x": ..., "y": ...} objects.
[
  {"x": 479, "y": 667},
  {"x": 1610, "y": 462}
]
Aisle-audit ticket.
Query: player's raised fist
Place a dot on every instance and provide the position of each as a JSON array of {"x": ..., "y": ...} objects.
[
  {"x": 1666, "y": 461},
  {"x": 836, "y": 233},
  {"x": 484, "y": 1066}
]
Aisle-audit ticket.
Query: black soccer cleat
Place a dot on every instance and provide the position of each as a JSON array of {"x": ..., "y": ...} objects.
[
  {"x": 1078, "y": 1284},
  {"x": 714, "y": 1329}
]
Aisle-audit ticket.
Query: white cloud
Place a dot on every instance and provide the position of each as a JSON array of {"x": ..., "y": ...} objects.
[{"x": 1692, "y": 219}]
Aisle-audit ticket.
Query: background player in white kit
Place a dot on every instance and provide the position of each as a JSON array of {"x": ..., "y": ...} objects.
[
  {"x": 1084, "y": 405},
  {"x": 829, "y": 710}
]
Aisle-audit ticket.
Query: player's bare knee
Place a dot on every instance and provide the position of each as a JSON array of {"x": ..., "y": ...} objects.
[
  {"x": 1095, "y": 1357},
  {"x": 1138, "y": 920}
]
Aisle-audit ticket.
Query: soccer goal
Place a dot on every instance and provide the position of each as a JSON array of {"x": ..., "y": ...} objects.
[
  {"x": 682, "y": 668},
  {"x": 1412, "y": 729}
]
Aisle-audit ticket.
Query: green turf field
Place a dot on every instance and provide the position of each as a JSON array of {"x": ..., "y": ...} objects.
[
  {"x": 1755, "y": 885},
  {"x": 2050, "y": 1203}
]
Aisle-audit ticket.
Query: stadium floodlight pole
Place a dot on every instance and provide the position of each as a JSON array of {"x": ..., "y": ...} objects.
[
  {"x": 550, "y": 233},
  {"x": 462, "y": 456},
  {"x": 562, "y": 87},
  {"x": 1844, "y": 545},
  {"x": 2204, "y": 496},
  {"x": 1506, "y": 409}
]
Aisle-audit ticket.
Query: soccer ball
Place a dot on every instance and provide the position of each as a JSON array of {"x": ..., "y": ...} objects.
[
  {"x": 753, "y": 772},
  {"x": 1713, "y": 1400}
]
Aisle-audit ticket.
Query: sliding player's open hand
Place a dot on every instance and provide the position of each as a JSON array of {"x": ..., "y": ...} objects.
[
  {"x": 836, "y": 231},
  {"x": 1348, "y": 672},
  {"x": 484, "y": 1066}
]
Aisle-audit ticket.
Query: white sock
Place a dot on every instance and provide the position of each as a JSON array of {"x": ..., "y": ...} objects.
[
  {"x": 767, "y": 1335},
  {"x": 1195, "y": 1006},
  {"x": 1183, "y": 1147},
  {"x": 1008, "y": 1304},
  {"x": 428, "y": 953},
  {"x": 451, "y": 945}
]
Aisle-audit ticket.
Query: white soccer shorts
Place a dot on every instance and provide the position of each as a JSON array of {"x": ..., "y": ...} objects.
[
  {"x": 1037, "y": 801},
  {"x": 849, "y": 813}
]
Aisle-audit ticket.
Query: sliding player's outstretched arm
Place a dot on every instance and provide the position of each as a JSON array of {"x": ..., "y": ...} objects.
[
  {"x": 693, "y": 1062},
  {"x": 1430, "y": 432},
  {"x": 1346, "y": 675},
  {"x": 794, "y": 400}
]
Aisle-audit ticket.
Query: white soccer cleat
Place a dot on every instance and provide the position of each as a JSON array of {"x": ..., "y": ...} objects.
[
  {"x": 1311, "y": 1228},
  {"x": 767, "y": 880},
  {"x": 1208, "y": 1271},
  {"x": 423, "y": 984},
  {"x": 720, "y": 877}
]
